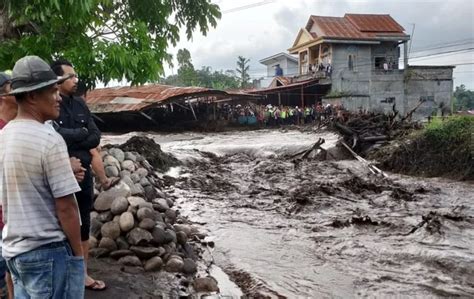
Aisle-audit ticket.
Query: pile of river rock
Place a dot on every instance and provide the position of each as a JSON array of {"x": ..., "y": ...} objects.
[{"x": 135, "y": 222}]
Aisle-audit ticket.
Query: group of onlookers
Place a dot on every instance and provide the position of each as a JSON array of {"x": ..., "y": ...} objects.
[{"x": 48, "y": 151}]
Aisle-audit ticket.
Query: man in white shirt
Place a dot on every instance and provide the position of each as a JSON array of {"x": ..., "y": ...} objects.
[{"x": 41, "y": 237}]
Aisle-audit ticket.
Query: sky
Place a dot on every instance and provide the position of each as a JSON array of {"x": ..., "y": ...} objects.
[{"x": 257, "y": 29}]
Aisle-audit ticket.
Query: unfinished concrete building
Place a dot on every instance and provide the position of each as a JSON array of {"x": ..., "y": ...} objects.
[{"x": 359, "y": 55}]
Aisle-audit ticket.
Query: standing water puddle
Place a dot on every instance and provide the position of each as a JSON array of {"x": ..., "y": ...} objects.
[{"x": 320, "y": 229}]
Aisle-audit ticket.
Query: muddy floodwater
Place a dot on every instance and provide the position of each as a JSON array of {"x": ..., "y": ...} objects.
[{"x": 313, "y": 228}]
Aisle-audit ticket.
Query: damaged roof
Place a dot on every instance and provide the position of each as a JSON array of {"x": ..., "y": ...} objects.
[{"x": 137, "y": 98}]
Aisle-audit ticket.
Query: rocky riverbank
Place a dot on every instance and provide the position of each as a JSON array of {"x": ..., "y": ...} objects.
[{"x": 137, "y": 230}]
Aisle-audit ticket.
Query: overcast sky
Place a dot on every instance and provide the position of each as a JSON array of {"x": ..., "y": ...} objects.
[{"x": 271, "y": 27}]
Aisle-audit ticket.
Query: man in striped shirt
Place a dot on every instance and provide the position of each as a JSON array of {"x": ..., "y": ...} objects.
[{"x": 41, "y": 237}]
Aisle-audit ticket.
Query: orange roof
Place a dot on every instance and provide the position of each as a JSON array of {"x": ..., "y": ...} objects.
[{"x": 355, "y": 26}]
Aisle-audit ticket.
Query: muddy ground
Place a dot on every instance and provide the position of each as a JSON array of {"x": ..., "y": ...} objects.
[{"x": 308, "y": 228}]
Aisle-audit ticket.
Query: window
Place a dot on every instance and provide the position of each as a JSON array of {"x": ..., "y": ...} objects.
[
  {"x": 427, "y": 98},
  {"x": 351, "y": 62},
  {"x": 379, "y": 62},
  {"x": 389, "y": 100}
]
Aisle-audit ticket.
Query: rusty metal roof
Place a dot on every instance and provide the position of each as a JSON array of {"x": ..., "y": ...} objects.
[
  {"x": 356, "y": 26},
  {"x": 374, "y": 23},
  {"x": 119, "y": 99}
]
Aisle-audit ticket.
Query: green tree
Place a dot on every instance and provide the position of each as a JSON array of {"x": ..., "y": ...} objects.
[
  {"x": 204, "y": 77},
  {"x": 243, "y": 71},
  {"x": 104, "y": 39},
  {"x": 463, "y": 98},
  {"x": 186, "y": 72}
]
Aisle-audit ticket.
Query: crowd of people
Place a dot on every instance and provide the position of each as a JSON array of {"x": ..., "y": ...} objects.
[
  {"x": 49, "y": 151},
  {"x": 269, "y": 115}
]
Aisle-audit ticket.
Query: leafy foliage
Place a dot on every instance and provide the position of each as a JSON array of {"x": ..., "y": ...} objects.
[
  {"x": 104, "y": 39},
  {"x": 205, "y": 77},
  {"x": 463, "y": 98}
]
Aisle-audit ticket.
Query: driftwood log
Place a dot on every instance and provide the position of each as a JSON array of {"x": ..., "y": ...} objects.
[{"x": 304, "y": 154}]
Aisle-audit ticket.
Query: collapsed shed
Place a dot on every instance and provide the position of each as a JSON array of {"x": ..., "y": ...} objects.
[{"x": 155, "y": 106}]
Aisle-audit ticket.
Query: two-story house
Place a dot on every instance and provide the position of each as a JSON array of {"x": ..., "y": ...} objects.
[
  {"x": 279, "y": 65},
  {"x": 359, "y": 55}
]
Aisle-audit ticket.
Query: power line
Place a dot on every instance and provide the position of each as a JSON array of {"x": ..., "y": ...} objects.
[{"x": 245, "y": 7}]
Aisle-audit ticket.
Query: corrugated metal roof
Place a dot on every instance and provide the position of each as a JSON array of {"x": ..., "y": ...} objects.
[
  {"x": 356, "y": 26},
  {"x": 288, "y": 87},
  {"x": 374, "y": 23},
  {"x": 119, "y": 99}
]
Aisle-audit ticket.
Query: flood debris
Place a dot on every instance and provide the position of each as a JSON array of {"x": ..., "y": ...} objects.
[
  {"x": 151, "y": 151},
  {"x": 365, "y": 131}
]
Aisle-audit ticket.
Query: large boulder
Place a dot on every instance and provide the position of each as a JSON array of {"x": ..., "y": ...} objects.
[
  {"x": 154, "y": 264},
  {"x": 161, "y": 204},
  {"x": 130, "y": 156},
  {"x": 142, "y": 172},
  {"x": 96, "y": 226},
  {"x": 145, "y": 213},
  {"x": 205, "y": 284},
  {"x": 159, "y": 236},
  {"x": 137, "y": 189},
  {"x": 110, "y": 230},
  {"x": 130, "y": 260},
  {"x": 120, "y": 253},
  {"x": 128, "y": 165},
  {"x": 147, "y": 224},
  {"x": 119, "y": 205},
  {"x": 171, "y": 216},
  {"x": 145, "y": 252},
  {"x": 181, "y": 237},
  {"x": 111, "y": 161},
  {"x": 189, "y": 266},
  {"x": 127, "y": 222},
  {"x": 122, "y": 243},
  {"x": 117, "y": 154},
  {"x": 174, "y": 264},
  {"x": 105, "y": 199},
  {"x": 105, "y": 216},
  {"x": 108, "y": 243},
  {"x": 135, "y": 201},
  {"x": 139, "y": 236},
  {"x": 93, "y": 243},
  {"x": 112, "y": 171}
]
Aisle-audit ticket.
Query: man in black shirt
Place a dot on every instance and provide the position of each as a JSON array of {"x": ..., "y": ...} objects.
[{"x": 76, "y": 125}]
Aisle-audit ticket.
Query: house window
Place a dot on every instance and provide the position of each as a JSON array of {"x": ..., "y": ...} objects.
[
  {"x": 427, "y": 98},
  {"x": 389, "y": 100},
  {"x": 351, "y": 62},
  {"x": 379, "y": 62}
]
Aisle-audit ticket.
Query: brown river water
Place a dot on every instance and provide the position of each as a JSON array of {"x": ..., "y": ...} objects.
[{"x": 319, "y": 229}]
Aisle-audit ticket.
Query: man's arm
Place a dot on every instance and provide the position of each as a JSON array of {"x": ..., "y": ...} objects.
[
  {"x": 73, "y": 135},
  {"x": 68, "y": 215},
  {"x": 92, "y": 140}
]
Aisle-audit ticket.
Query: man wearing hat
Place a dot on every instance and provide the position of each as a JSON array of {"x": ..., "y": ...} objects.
[
  {"x": 41, "y": 237},
  {"x": 8, "y": 110}
]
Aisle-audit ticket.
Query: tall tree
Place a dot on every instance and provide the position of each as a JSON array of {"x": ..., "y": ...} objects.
[
  {"x": 243, "y": 71},
  {"x": 104, "y": 39}
]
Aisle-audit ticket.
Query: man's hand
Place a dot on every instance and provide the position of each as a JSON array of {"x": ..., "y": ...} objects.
[{"x": 77, "y": 169}]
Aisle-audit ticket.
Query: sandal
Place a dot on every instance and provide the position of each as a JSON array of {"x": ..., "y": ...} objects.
[{"x": 97, "y": 285}]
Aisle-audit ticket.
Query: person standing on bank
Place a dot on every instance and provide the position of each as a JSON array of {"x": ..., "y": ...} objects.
[
  {"x": 41, "y": 237},
  {"x": 81, "y": 134}
]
